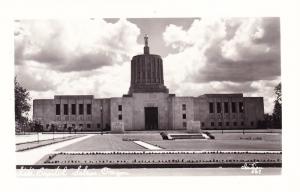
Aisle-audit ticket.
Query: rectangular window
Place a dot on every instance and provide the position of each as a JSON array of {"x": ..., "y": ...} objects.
[
  {"x": 219, "y": 123},
  {"x": 241, "y": 107},
  {"x": 227, "y": 123},
  {"x": 219, "y": 108},
  {"x": 242, "y": 123},
  {"x": 80, "y": 109},
  {"x": 184, "y": 124},
  {"x": 211, "y": 107},
  {"x": 98, "y": 125},
  {"x": 73, "y": 109},
  {"x": 66, "y": 109},
  {"x": 89, "y": 109},
  {"x": 252, "y": 123},
  {"x": 202, "y": 124},
  {"x": 65, "y": 126},
  {"x": 120, "y": 107},
  {"x": 183, "y": 107},
  {"x": 57, "y": 109},
  {"x": 88, "y": 125},
  {"x": 73, "y": 125},
  {"x": 233, "y": 108},
  {"x": 234, "y": 123},
  {"x": 80, "y": 126},
  {"x": 226, "y": 107},
  {"x": 120, "y": 117},
  {"x": 212, "y": 124},
  {"x": 183, "y": 116}
]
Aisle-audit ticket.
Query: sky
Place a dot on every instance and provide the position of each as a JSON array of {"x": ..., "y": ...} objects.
[{"x": 200, "y": 55}]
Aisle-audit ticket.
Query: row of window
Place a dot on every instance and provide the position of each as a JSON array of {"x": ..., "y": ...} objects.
[
  {"x": 73, "y": 109},
  {"x": 220, "y": 107},
  {"x": 212, "y": 124},
  {"x": 65, "y": 126}
]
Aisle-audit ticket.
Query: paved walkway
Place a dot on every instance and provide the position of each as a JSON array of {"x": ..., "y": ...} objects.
[
  {"x": 30, "y": 157},
  {"x": 147, "y": 145}
]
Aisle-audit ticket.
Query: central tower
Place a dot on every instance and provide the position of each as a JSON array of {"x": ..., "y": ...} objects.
[{"x": 147, "y": 72}]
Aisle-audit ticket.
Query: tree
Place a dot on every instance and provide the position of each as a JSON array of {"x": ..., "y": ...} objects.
[
  {"x": 22, "y": 105},
  {"x": 277, "y": 116}
]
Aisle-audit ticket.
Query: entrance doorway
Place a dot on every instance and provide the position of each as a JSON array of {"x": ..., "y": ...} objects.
[{"x": 151, "y": 118}]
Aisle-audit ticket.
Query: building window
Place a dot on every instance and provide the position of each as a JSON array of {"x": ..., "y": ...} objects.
[
  {"x": 219, "y": 123},
  {"x": 184, "y": 124},
  {"x": 73, "y": 125},
  {"x": 202, "y": 124},
  {"x": 120, "y": 107},
  {"x": 227, "y": 123},
  {"x": 212, "y": 124},
  {"x": 241, "y": 107},
  {"x": 66, "y": 111},
  {"x": 120, "y": 117},
  {"x": 219, "y": 108},
  {"x": 211, "y": 107},
  {"x": 183, "y": 107},
  {"x": 65, "y": 126},
  {"x": 80, "y": 126},
  {"x": 89, "y": 109},
  {"x": 234, "y": 123},
  {"x": 57, "y": 109},
  {"x": 226, "y": 107},
  {"x": 73, "y": 109},
  {"x": 252, "y": 123},
  {"x": 98, "y": 125},
  {"x": 183, "y": 116},
  {"x": 88, "y": 126},
  {"x": 233, "y": 108},
  {"x": 242, "y": 123},
  {"x": 80, "y": 109}
]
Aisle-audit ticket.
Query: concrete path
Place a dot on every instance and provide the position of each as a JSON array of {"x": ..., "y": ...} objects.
[
  {"x": 30, "y": 157},
  {"x": 147, "y": 145}
]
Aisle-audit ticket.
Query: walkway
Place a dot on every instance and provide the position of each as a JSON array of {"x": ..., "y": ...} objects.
[{"x": 30, "y": 157}]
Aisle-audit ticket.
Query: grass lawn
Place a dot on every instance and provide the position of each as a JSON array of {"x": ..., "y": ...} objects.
[
  {"x": 111, "y": 142},
  {"x": 226, "y": 141}
]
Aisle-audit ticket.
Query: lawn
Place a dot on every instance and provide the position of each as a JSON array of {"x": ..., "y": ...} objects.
[{"x": 226, "y": 141}]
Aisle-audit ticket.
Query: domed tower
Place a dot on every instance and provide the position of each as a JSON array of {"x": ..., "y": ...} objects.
[{"x": 147, "y": 73}]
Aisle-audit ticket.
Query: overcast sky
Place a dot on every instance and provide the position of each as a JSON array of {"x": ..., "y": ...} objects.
[{"x": 200, "y": 55}]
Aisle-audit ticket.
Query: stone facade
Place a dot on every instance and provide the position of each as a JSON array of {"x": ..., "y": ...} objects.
[{"x": 148, "y": 106}]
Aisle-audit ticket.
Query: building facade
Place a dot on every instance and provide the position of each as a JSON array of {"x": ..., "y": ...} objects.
[{"x": 148, "y": 106}]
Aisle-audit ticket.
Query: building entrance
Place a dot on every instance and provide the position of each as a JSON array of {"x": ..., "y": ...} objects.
[{"x": 151, "y": 118}]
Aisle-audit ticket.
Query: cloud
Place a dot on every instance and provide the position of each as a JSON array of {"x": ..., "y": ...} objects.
[
  {"x": 229, "y": 55},
  {"x": 239, "y": 50},
  {"x": 54, "y": 57},
  {"x": 80, "y": 45}
]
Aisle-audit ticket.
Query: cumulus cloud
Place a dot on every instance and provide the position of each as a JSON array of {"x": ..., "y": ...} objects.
[
  {"x": 80, "y": 45},
  {"x": 227, "y": 55},
  {"x": 228, "y": 49}
]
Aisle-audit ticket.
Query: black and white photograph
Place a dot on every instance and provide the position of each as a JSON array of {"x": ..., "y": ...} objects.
[{"x": 178, "y": 94}]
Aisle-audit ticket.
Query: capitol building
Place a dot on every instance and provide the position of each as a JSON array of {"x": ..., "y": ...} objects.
[{"x": 148, "y": 105}]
